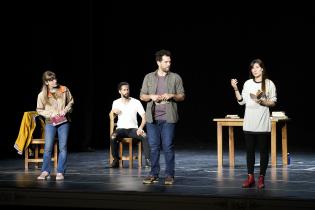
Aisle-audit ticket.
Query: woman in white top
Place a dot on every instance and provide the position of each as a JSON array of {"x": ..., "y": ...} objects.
[{"x": 258, "y": 94}]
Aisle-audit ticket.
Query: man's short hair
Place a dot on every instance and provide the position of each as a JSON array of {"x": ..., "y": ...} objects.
[
  {"x": 159, "y": 54},
  {"x": 121, "y": 84}
]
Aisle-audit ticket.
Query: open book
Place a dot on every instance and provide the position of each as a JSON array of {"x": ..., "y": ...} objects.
[
  {"x": 58, "y": 119},
  {"x": 258, "y": 95}
]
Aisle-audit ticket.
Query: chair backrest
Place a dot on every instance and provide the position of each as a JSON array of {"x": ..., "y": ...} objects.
[
  {"x": 112, "y": 127},
  {"x": 112, "y": 122},
  {"x": 34, "y": 151},
  {"x": 27, "y": 128}
]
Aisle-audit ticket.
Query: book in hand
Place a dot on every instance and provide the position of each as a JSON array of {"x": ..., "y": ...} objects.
[
  {"x": 258, "y": 95},
  {"x": 58, "y": 119}
]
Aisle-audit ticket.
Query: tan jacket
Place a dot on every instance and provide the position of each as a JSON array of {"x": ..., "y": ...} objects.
[{"x": 55, "y": 105}]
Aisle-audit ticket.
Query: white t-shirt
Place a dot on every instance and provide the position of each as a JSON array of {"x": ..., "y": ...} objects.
[
  {"x": 257, "y": 117},
  {"x": 128, "y": 116}
]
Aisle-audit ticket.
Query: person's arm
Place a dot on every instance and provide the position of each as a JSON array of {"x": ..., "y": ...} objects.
[
  {"x": 271, "y": 100},
  {"x": 146, "y": 97},
  {"x": 236, "y": 90},
  {"x": 180, "y": 92},
  {"x": 238, "y": 95},
  {"x": 179, "y": 97},
  {"x": 116, "y": 111},
  {"x": 144, "y": 92},
  {"x": 176, "y": 97},
  {"x": 140, "y": 130},
  {"x": 266, "y": 102},
  {"x": 69, "y": 101},
  {"x": 115, "y": 108}
]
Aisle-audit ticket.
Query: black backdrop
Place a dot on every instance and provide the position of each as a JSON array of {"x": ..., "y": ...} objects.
[{"x": 93, "y": 45}]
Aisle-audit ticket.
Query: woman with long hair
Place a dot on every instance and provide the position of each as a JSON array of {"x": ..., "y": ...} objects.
[
  {"x": 258, "y": 94},
  {"x": 54, "y": 103}
]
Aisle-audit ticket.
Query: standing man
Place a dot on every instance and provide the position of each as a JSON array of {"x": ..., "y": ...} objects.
[{"x": 162, "y": 90}]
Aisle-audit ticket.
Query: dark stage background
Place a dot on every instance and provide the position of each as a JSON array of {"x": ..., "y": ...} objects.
[{"x": 93, "y": 45}]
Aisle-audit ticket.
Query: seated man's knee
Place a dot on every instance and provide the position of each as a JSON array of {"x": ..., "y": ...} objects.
[{"x": 113, "y": 137}]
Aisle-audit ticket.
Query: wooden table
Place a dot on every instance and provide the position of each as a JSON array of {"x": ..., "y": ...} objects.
[{"x": 239, "y": 122}]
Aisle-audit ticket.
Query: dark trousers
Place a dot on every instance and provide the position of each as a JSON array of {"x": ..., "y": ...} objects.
[
  {"x": 262, "y": 139},
  {"x": 128, "y": 133}
]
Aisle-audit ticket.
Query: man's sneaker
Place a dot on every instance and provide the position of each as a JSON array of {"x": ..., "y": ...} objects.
[
  {"x": 169, "y": 180},
  {"x": 44, "y": 176},
  {"x": 115, "y": 163},
  {"x": 150, "y": 179},
  {"x": 147, "y": 163},
  {"x": 60, "y": 176}
]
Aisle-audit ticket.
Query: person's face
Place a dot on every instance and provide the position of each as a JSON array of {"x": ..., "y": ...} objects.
[
  {"x": 165, "y": 63},
  {"x": 51, "y": 83},
  {"x": 124, "y": 91},
  {"x": 257, "y": 70}
]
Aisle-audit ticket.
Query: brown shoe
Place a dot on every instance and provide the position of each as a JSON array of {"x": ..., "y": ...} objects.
[
  {"x": 249, "y": 182},
  {"x": 169, "y": 180},
  {"x": 261, "y": 182},
  {"x": 150, "y": 179}
]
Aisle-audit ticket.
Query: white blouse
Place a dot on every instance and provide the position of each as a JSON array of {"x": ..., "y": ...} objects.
[{"x": 257, "y": 117}]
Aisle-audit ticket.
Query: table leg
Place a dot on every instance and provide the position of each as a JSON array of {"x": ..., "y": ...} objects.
[
  {"x": 284, "y": 144},
  {"x": 219, "y": 144},
  {"x": 273, "y": 144},
  {"x": 231, "y": 146}
]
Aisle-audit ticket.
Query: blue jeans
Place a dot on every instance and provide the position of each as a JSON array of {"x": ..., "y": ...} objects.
[
  {"x": 161, "y": 135},
  {"x": 50, "y": 132}
]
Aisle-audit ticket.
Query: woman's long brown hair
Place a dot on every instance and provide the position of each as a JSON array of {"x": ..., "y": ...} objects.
[{"x": 264, "y": 73}]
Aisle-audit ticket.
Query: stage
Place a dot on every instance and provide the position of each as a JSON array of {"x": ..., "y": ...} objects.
[{"x": 199, "y": 184}]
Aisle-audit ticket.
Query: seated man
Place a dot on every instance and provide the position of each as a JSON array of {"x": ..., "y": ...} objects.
[{"x": 127, "y": 108}]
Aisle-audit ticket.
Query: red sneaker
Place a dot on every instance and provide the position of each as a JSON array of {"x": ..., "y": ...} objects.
[
  {"x": 249, "y": 182},
  {"x": 261, "y": 182}
]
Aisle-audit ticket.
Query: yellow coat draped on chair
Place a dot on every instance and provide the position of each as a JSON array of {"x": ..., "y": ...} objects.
[{"x": 27, "y": 128}]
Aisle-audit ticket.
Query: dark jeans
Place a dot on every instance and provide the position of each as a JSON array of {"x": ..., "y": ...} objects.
[
  {"x": 128, "y": 133},
  {"x": 161, "y": 135},
  {"x": 251, "y": 139}
]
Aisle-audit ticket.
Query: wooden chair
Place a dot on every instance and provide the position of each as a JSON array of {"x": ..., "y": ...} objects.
[
  {"x": 37, "y": 144},
  {"x": 124, "y": 141}
]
